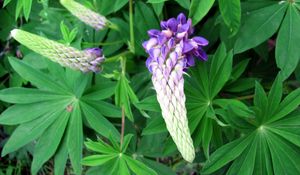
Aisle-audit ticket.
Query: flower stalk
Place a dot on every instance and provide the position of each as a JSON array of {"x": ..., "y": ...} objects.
[{"x": 171, "y": 51}]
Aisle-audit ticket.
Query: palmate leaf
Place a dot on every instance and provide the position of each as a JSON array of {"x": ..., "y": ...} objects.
[
  {"x": 273, "y": 141},
  {"x": 53, "y": 115},
  {"x": 116, "y": 158}
]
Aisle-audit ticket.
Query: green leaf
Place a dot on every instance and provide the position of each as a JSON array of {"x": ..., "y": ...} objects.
[
  {"x": 263, "y": 164},
  {"x": 49, "y": 141},
  {"x": 235, "y": 107},
  {"x": 220, "y": 70},
  {"x": 122, "y": 98},
  {"x": 159, "y": 167},
  {"x": 96, "y": 160},
  {"x": 260, "y": 99},
  {"x": 144, "y": 20},
  {"x": 28, "y": 132},
  {"x": 27, "y": 8},
  {"x": 98, "y": 122},
  {"x": 149, "y": 104},
  {"x": 199, "y": 8},
  {"x": 240, "y": 85},
  {"x": 274, "y": 96},
  {"x": 38, "y": 78},
  {"x": 239, "y": 68},
  {"x": 6, "y": 2},
  {"x": 100, "y": 92},
  {"x": 289, "y": 104},
  {"x": 75, "y": 138},
  {"x": 206, "y": 134},
  {"x": 221, "y": 157},
  {"x": 287, "y": 54},
  {"x": 155, "y": 125},
  {"x": 245, "y": 163},
  {"x": 126, "y": 142},
  {"x": 123, "y": 168},
  {"x": 61, "y": 157},
  {"x": 231, "y": 13},
  {"x": 184, "y": 3},
  {"x": 106, "y": 109},
  {"x": 26, "y": 95},
  {"x": 158, "y": 8},
  {"x": 64, "y": 31},
  {"x": 155, "y": 1},
  {"x": 19, "y": 7},
  {"x": 100, "y": 147},
  {"x": 138, "y": 167},
  {"x": 259, "y": 26},
  {"x": 119, "y": 4},
  {"x": 286, "y": 163},
  {"x": 19, "y": 113}
]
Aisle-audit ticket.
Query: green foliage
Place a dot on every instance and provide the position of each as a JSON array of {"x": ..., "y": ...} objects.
[
  {"x": 115, "y": 157},
  {"x": 57, "y": 112},
  {"x": 271, "y": 131},
  {"x": 242, "y": 104}
]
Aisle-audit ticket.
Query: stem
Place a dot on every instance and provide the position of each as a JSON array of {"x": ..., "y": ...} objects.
[
  {"x": 116, "y": 57},
  {"x": 122, "y": 128},
  {"x": 102, "y": 44},
  {"x": 131, "y": 47},
  {"x": 123, "y": 65},
  {"x": 247, "y": 97}
]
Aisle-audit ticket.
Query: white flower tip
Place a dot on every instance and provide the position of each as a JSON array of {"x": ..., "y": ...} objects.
[{"x": 13, "y": 33}]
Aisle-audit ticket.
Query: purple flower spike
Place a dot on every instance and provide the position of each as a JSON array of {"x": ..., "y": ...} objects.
[{"x": 171, "y": 51}]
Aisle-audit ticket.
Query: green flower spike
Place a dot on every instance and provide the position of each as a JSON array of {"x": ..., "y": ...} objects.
[
  {"x": 86, "y": 15},
  {"x": 85, "y": 61}
]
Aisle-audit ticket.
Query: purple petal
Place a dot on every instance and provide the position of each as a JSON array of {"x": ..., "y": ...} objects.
[
  {"x": 150, "y": 43},
  {"x": 164, "y": 51},
  {"x": 190, "y": 60},
  {"x": 184, "y": 28},
  {"x": 181, "y": 18},
  {"x": 161, "y": 39},
  {"x": 191, "y": 29},
  {"x": 187, "y": 47},
  {"x": 163, "y": 25},
  {"x": 97, "y": 52},
  {"x": 200, "y": 41},
  {"x": 148, "y": 61},
  {"x": 200, "y": 54},
  {"x": 171, "y": 43},
  {"x": 172, "y": 24},
  {"x": 167, "y": 33},
  {"x": 153, "y": 32},
  {"x": 154, "y": 53}
]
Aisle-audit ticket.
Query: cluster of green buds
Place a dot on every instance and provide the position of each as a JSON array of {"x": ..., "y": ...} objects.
[
  {"x": 86, "y": 15},
  {"x": 86, "y": 60}
]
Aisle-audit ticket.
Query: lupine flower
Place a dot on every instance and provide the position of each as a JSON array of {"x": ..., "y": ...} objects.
[
  {"x": 171, "y": 51},
  {"x": 86, "y": 15},
  {"x": 86, "y": 60}
]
